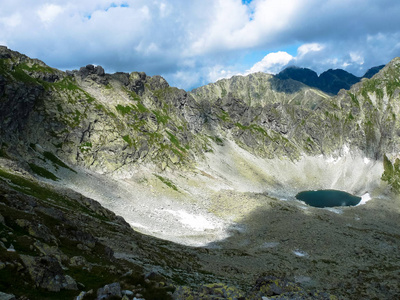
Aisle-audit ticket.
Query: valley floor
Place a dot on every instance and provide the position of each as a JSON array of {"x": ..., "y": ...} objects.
[{"x": 241, "y": 212}]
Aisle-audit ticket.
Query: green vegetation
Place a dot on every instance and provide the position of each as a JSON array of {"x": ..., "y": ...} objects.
[
  {"x": 42, "y": 172},
  {"x": 77, "y": 117},
  {"x": 37, "y": 68},
  {"x": 54, "y": 159},
  {"x": 161, "y": 118},
  {"x": 173, "y": 139},
  {"x": 217, "y": 140},
  {"x": 167, "y": 182},
  {"x": 162, "y": 94},
  {"x": 127, "y": 139},
  {"x": 223, "y": 93},
  {"x": 19, "y": 71},
  {"x": 3, "y": 152},
  {"x": 123, "y": 109},
  {"x": 141, "y": 108},
  {"x": 59, "y": 108},
  {"x": 42, "y": 192},
  {"x": 372, "y": 86},
  {"x": 224, "y": 116},
  {"x": 133, "y": 95},
  {"x": 391, "y": 173},
  {"x": 85, "y": 147},
  {"x": 20, "y": 75},
  {"x": 354, "y": 99},
  {"x": 253, "y": 128},
  {"x": 89, "y": 98},
  {"x": 66, "y": 83}
]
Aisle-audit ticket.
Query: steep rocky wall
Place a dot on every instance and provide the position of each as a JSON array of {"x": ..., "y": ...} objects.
[{"x": 112, "y": 122}]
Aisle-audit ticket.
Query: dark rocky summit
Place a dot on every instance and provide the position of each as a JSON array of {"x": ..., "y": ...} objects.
[{"x": 331, "y": 81}]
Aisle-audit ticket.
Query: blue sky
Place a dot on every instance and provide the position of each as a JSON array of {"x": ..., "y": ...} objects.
[{"x": 192, "y": 43}]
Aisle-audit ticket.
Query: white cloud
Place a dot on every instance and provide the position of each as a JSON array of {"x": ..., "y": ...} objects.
[
  {"x": 357, "y": 58},
  {"x": 165, "y": 9},
  {"x": 185, "y": 79},
  {"x": 307, "y": 48},
  {"x": 49, "y": 12},
  {"x": 272, "y": 63},
  {"x": 209, "y": 38},
  {"x": 218, "y": 72},
  {"x": 11, "y": 21},
  {"x": 231, "y": 25}
]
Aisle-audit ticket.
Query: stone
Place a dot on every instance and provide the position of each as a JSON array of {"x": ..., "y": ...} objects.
[
  {"x": 78, "y": 261},
  {"x": 46, "y": 272},
  {"x": 53, "y": 251},
  {"x": 99, "y": 71},
  {"x": 36, "y": 230},
  {"x": 109, "y": 290},
  {"x": 83, "y": 247},
  {"x": 81, "y": 296},
  {"x": 4, "y": 296},
  {"x": 11, "y": 248},
  {"x": 69, "y": 283},
  {"x": 127, "y": 293}
]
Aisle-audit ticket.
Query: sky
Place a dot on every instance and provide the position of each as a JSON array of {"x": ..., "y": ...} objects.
[{"x": 195, "y": 42}]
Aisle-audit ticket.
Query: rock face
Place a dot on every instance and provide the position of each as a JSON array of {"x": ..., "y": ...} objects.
[
  {"x": 285, "y": 118},
  {"x": 110, "y": 122}
]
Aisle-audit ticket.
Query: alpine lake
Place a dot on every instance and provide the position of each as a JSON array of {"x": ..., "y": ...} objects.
[{"x": 328, "y": 198}]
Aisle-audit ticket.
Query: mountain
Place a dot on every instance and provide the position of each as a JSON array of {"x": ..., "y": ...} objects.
[
  {"x": 115, "y": 184},
  {"x": 330, "y": 81},
  {"x": 333, "y": 81},
  {"x": 304, "y": 75},
  {"x": 371, "y": 72}
]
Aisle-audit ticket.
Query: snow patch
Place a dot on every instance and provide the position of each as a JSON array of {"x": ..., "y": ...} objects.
[
  {"x": 333, "y": 160},
  {"x": 366, "y": 160},
  {"x": 364, "y": 199},
  {"x": 269, "y": 244},
  {"x": 330, "y": 160},
  {"x": 346, "y": 149},
  {"x": 197, "y": 223},
  {"x": 334, "y": 210},
  {"x": 137, "y": 225},
  {"x": 300, "y": 253}
]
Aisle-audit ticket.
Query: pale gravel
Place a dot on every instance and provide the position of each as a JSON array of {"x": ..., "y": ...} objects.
[{"x": 212, "y": 198}]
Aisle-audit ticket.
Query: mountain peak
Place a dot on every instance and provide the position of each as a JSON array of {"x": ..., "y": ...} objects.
[{"x": 330, "y": 81}]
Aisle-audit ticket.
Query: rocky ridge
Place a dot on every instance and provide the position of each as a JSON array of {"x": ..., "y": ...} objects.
[{"x": 331, "y": 81}]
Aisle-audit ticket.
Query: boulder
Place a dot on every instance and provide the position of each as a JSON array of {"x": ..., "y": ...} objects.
[
  {"x": 46, "y": 272},
  {"x": 4, "y": 296},
  {"x": 109, "y": 290}
]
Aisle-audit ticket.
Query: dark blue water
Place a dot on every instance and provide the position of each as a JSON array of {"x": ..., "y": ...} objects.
[{"x": 328, "y": 198}]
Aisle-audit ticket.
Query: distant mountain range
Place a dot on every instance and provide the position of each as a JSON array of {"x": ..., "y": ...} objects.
[{"x": 330, "y": 81}]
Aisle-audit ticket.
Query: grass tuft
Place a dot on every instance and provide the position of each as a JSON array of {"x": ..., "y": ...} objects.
[{"x": 42, "y": 172}]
